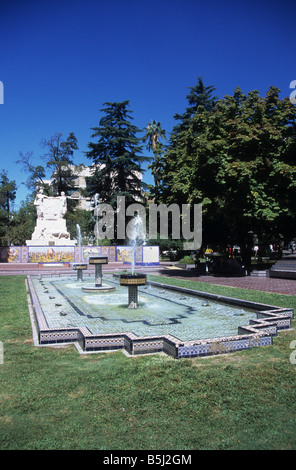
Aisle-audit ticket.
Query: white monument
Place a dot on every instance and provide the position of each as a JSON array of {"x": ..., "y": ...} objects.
[{"x": 50, "y": 229}]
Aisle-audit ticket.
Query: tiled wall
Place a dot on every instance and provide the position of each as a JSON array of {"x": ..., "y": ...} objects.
[{"x": 46, "y": 254}]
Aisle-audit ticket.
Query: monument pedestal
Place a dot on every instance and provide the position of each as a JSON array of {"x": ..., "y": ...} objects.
[{"x": 63, "y": 242}]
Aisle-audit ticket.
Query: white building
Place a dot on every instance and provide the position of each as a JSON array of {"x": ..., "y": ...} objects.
[{"x": 81, "y": 172}]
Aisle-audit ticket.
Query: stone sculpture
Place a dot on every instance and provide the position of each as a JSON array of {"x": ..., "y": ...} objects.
[{"x": 50, "y": 226}]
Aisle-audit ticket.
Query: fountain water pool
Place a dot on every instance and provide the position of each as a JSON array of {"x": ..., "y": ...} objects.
[
  {"x": 159, "y": 312},
  {"x": 179, "y": 324}
]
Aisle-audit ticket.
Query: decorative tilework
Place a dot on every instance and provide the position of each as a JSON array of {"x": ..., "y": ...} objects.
[{"x": 258, "y": 333}]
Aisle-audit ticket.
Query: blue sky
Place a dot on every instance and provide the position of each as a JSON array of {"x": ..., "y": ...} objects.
[{"x": 61, "y": 60}]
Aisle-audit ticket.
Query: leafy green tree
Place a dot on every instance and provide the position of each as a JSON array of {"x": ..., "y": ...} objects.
[
  {"x": 23, "y": 222},
  {"x": 59, "y": 159},
  {"x": 176, "y": 169},
  {"x": 116, "y": 154},
  {"x": 36, "y": 172},
  {"x": 85, "y": 220},
  {"x": 237, "y": 160},
  {"x": 7, "y": 196}
]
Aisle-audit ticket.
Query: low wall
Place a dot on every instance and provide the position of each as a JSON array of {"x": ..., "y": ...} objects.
[
  {"x": 144, "y": 255},
  {"x": 285, "y": 269}
]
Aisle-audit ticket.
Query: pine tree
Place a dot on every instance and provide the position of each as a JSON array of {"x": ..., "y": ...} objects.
[
  {"x": 116, "y": 154},
  {"x": 176, "y": 168},
  {"x": 200, "y": 96}
]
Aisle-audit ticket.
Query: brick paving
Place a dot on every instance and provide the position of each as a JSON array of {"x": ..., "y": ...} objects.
[
  {"x": 267, "y": 284},
  {"x": 281, "y": 286}
]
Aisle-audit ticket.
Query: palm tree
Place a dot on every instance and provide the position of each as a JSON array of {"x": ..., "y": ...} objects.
[{"x": 154, "y": 132}]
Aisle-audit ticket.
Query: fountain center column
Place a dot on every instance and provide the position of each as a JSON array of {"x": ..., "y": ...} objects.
[
  {"x": 79, "y": 267},
  {"x": 98, "y": 275},
  {"x": 99, "y": 286},
  {"x": 132, "y": 281},
  {"x": 98, "y": 261}
]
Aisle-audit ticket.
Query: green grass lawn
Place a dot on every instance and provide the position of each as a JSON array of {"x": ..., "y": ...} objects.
[{"x": 53, "y": 398}]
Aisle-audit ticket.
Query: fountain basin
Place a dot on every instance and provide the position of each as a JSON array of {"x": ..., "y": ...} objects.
[
  {"x": 79, "y": 266},
  {"x": 98, "y": 260},
  {"x": 169, "y": 319},
  {"x": 101, "y": 288},
  {"x": 133, "y": 279}
]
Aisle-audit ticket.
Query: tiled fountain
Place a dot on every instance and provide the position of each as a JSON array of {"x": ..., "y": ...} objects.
[{"x": 139, "y": 316}]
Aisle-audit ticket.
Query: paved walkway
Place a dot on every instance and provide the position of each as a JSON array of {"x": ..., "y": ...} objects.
[{"x": 281, "y": 286}]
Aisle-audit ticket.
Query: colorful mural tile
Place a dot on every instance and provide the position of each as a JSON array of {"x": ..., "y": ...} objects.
[
  {"x": 55, "y": 254},
  {"x": 25, "y": 254},
  {"x": 45, "y": 254},
  {"x": 112, "y": 254},
  {"x": 125, "y": 254},
  {"x": 90, "y": 251},
  {"x": 14, "y": 254}
]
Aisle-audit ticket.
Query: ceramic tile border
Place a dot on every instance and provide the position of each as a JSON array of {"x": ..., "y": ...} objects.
[{"x": 259, "y": 332}]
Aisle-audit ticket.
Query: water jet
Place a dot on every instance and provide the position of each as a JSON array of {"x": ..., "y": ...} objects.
[{"x": 79, "y": 267}]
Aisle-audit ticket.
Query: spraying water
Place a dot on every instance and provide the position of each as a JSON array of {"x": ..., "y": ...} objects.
[
  {"x": 136, "y": 235},
  {"x": 96, "y": 200},
  {"x": 79, "y": 241}
]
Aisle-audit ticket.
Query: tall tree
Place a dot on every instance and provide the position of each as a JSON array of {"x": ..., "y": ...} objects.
[
  {"x": 7, "y": 196},
  {"x": 238, "y": 160},
  {"x": 153, "y": 135},
  {"x": 59, "y": 159},
  {"x": 24, "y": 221},
  {"x": 116, "y": 154},
  {"x": 36, "y": 172},
  {"x": 200, "y": 96},
  {"x": 176, "y": 168},
  {"x": 154, "y": 132}
]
